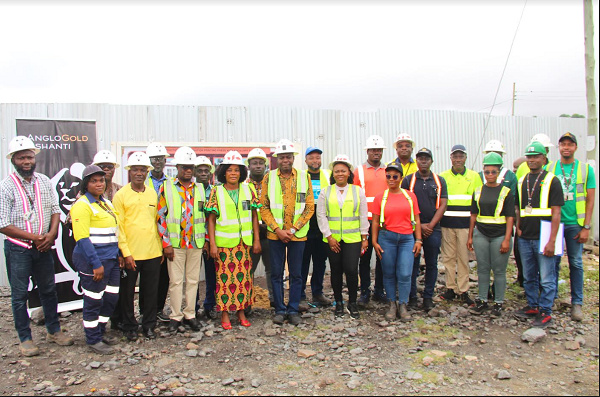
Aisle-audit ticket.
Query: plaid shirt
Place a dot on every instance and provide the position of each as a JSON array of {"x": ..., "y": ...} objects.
[{"x": 11, "y": 204}]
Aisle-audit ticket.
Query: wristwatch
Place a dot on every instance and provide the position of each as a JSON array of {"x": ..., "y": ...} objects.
[
  {"x": 587, "y": 227},
  {"x": 293, "y": 230}
]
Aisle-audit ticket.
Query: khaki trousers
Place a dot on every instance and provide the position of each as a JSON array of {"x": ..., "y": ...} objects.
[
  {"x": 186, "y": 266},
  {"x": 455, "y": 258}
]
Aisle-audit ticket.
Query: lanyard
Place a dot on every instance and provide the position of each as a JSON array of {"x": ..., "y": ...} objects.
[
  {"x": 106, "y": 209},
  {"x": 27, "y": 193},
  {"x": 567, "y": 185},
  {"x": 530, "y": 192}
]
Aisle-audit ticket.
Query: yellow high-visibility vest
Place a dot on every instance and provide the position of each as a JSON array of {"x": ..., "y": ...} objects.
[
  {"x": 344, "y": 222},
  {"x": 174, "y": 209},
  {"x": 495, "y": 219},
  {"x": 276, "y": 200},
  {"x": 234, "y": 221}
]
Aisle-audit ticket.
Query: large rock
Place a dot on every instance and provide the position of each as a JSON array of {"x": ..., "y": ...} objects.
[
  {"x": 533, "y": 335},
  {"x": 572, "y": 345},
  {"x": 504, "y": 375},
  {"x": 305, "y": 353}
]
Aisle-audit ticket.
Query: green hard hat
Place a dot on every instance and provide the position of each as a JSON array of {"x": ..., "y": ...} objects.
[
  {"x": 493, "y": 159},
  {"x": 535, "y": 148}
]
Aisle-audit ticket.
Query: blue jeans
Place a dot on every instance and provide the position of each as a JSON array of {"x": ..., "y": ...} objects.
[
  {"x": 314, "y": 248},
  {"x": 538, "y": 271},
  {"x": 574, "y": 253},
  {"x": 23, "y": 263},
  {"x": 295, "y": 250},
  {"x": 431, "y": 251},
  {"x": 397, "y": 264}
]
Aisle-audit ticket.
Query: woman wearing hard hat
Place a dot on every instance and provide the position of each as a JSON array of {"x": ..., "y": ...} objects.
[
  {"x": 232, "y": 229},
  {"x": 343, "y": 220}
]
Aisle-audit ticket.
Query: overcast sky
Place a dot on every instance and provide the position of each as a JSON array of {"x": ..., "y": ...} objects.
[{"x": 320, "y": 55}]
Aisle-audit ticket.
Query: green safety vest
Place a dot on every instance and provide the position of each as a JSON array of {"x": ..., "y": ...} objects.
[
  {"x": 174, "y": 207},
  {"x": 496, "y": 219},
  {"x": 344, "y": 222},
  {"x": 544, "y": 209},
  {"x": 410, "y": 202},
  {"x": 580, "y": 189},
  {"x": 276, "y": 200},
  {"x": 235, "y": 220}
]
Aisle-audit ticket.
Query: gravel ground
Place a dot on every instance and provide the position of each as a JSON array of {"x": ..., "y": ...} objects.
[{"x": 453, "y": 353}]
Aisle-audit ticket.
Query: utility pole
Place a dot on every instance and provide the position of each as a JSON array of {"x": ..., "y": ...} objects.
[
  {"x": 513, "y": 99},
  {"x": 592, "y": 111}
]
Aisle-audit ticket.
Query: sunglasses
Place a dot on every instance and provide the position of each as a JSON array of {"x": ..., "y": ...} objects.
[
  {"x": 106, "y": 166},
  {"x": 490, "y": 172},
  {"x": 394, "y": 177},
  {"x": 187, "y": 167}
]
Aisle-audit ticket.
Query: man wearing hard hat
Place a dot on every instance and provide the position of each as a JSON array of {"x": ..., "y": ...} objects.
[
  {"x": 29, "y": 218},
  {"x": 257, "y": 167},
  {"x": 371, "y": 177},
  {"x": 287, "y": 206},
  {"x": 141, "y": 247},
  {"x": 404, "y": 148},
  {"x": 107, "y": 161},
  {"x": 182, "y": 228},
  {"x": 547, "y": 143}
]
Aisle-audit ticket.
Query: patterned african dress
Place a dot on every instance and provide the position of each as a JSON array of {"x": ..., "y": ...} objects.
[{"x": 233, "y": 266}]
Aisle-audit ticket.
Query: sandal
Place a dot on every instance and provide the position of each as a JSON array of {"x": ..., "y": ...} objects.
[
  {"x": 245, "y": 323},
  {"x": 226, "y": 326}
]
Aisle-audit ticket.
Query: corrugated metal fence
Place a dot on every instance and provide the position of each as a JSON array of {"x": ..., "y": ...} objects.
[{"x": 333, "y": 130}]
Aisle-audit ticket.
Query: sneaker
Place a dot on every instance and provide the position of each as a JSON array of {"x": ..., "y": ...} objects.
[
  {"x": 132, "y": 336},
  {"x": 278, "y": 319},
  {"x": 211, "y": 314},
  {"x": 303, "y": 306},
  {"x": 101, "y": 348},
  {"x": 174, "y": 326},
  {"x": 353, "y": 309},
  {"x": 449, "y": 295},
  {"x": 413, "y": 303},
  {"x": 576, "y": 313},
  {"x": 192, "y": 323},
  {"x": 110, "y": 340},
  {"x": 60, "y": 338},
  {"x": 497, "y": 310},
  {"x": 428, "y": 304},
  {"x": 29, "y": 349},
  {"x": 480, "y": 308},
  {"x": 295, "y": 319},
  {"x": 163, "y": 318},
  {"x": 339, "y": 309},
  {"x": 365, "y": 298},
  {"x": 322, "y": 300},
  {"x": 542, "y": 320},
  {"x": 526, "y": 313},
  {"x": 466, "y": 298},
  {"x": 149, "y": 333}
]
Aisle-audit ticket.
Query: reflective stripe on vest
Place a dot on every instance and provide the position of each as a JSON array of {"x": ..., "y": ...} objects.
[
  {"x": 544, "y": 209},
  {"x": 410, "y": 202},
  {"x": 502, "y": 174},
  {"x": 438, "y": 183},
  {"x": 345, "y": 226},
  {"x": 460, "y": 193},
  {"x": 25, "y": 203},
  {"x": 234, "y": 222},
  {"x": 496, "y": 218},
  {"x": 174, "y": 208},
  {"x": 102, "y": 235},
  {"x": 276, "y": 200},
  {"x": 580, "y": 189}
]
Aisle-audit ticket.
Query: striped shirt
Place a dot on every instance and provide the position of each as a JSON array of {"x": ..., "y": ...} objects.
[
  {"x": 187, "y": 217},
  {"x": 11, "y": 203}
]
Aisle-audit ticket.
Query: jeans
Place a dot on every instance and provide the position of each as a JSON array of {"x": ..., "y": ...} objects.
[
  {"x": 314, "y": 248},
  {"x": 364, "y": 268},
  {"x": 295, "y": 250},
  {"x": 23, "y": 263},
  {"x": 489, "y": 258},
  {"x": 574, "y": 254},
  {"x": 431, "y": 251},
  {"x": 397, "y": 264},
  {"x": 346, "y": 261},
  {"x": 538, "y": 271}
]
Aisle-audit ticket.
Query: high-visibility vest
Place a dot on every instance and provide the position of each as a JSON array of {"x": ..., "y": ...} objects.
[
  {"x": 460, "y": 195},
  {"x": 26, "y": 210},
  {"x": 150, "y": 182},
  {"x": 438, "y": 183},
  {"x": 323, "y": 177},
  {"x": 580, "y": 189},
  {"x": 410, "y": 202},
  {"x": 544, "y": 209},
  {"x": 234, "y": 221},
  {"x": 174, "y": 208},
  {"x": 496, "y": 219},
  {"x": 102, "y": 235},
  {"x": 276, "y": 200},
  {"x": 344, "y": 222}
]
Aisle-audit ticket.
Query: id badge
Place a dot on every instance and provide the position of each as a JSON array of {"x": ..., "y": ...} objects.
[
  {"x": 570, "y": 197},
  {"x": 528, "y": 209},
  {"x": 301, "y": 197},
  {"x": 246, "y": 205},
  {"x": 29, "y": 216},
  {"x": 201, "y": 205}
]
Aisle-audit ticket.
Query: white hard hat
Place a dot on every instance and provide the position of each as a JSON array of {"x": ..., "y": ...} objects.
[
  {"x": 234, "y": 158},
  {"x": 404, "y": 137},
  {"x": 105, "y": 156},
  {"x": 341, "y": 158},
  {"x": 543, "y": 139},
  {"x": 156, "y": 149},
  {"x": 184, "y": 156},
  {"x": 257, "y": 153},
  {"x": 203, "y": 160},
  {"x": 494, "y": 146},
  {"x": 375, "y": 142},
  {"x": 138, "y": 158},
  {"x": 19, "y": 143},
  {"x": 284, "y": 146}
]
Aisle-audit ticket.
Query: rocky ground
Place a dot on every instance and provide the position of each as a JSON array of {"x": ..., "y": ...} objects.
[{"x": 448, "y": 352}]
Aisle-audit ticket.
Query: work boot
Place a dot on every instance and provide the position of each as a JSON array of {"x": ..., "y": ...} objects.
[
  {"x": 390, "y": 315},
  {"x": 413, "y": 303},
  {"x": 303, "y": 306},
  {"x": 365, "y": 297},
  {"x": 101, "y": 348},
  {"x": 60, "y": 338},
  {"x": 295, "y": 319},
  {"x": 29, "y": 349},
  {"x": 322, "y": 300},
  {"x": 339, "y": 309},
  {"x": 449, "y": 295},
  {"x": 576, "y": 313},
  {"x": 110, "y": 340},
  {"x": 403, "y": 313},
  {"x": 192, "y": 323},
  {"x": 428, "y": 304}
]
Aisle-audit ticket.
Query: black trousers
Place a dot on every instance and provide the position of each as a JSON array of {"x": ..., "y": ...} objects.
[
  {"x": 163, "y": 287},
  {"x": 149, "y": 271},
  {"x": 346, "y": 261},
  {"x": 520, "y": 277}
]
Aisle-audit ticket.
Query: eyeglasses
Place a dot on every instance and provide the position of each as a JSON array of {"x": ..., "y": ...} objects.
[
  {"x": 106, "y": 166},
  {"x": 186, "y": 166},
  {"x": 493, "y": 172},
  {"x": 394, "y": 177}
]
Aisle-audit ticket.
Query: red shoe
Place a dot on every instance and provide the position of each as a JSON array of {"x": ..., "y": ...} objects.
[
  {"x": 226, "y": 326},
  {"x": 245, "y": 323}
]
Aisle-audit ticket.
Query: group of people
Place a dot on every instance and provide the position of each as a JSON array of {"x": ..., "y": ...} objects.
[{"x": 229, "y": 218}]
